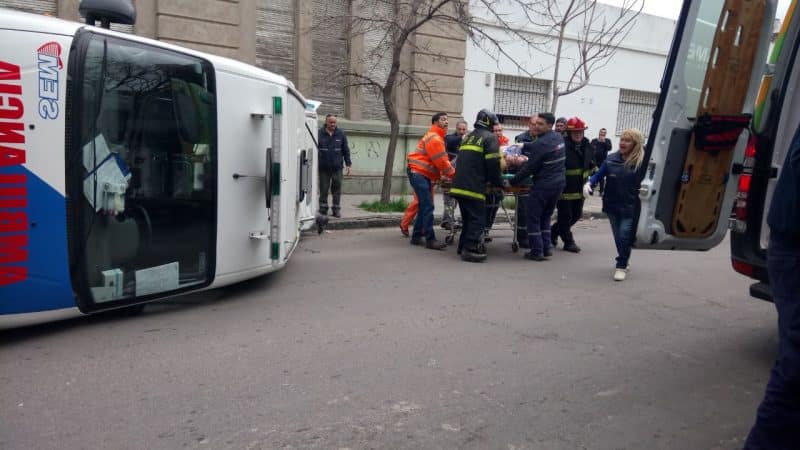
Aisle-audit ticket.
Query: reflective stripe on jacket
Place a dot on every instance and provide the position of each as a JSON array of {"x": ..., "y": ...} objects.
[
  {"x": 430, "y": 158},
  {"x": 478, "y": 164},
  {"x": 579, "y": 164}
]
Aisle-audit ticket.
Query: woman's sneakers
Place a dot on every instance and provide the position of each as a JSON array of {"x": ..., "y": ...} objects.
[{"x": 621, "y": 274}]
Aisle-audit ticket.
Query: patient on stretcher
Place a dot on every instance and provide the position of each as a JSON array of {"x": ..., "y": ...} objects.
[{"x": 513, "y": 157}]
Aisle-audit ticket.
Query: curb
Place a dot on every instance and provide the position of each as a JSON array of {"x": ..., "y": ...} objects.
[{"x": 384, "y": 221}]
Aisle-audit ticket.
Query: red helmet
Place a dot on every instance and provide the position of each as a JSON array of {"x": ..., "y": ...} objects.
[{"x": 576, "y": 124}]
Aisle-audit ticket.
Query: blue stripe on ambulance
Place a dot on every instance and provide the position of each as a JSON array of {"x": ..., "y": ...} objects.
[{"x": 46, "y": 285}]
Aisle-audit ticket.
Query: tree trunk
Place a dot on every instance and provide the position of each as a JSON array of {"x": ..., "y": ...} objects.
[
  {"x": 394, "y": 131},
  {"x": 554, "y": 103}
]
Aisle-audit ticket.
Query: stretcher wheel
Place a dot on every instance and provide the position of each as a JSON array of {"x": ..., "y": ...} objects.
[
  {"x": 515, "y": 247},
  {"x": 448, "y": 240}
]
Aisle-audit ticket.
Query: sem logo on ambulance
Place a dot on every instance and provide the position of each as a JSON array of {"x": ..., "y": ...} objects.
[{"x": 49, "y": 63}]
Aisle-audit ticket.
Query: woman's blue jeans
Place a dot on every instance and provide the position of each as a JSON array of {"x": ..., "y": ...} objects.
[
  {"x": 423, "y": 224},
  {"x": 622, "y": 228}
]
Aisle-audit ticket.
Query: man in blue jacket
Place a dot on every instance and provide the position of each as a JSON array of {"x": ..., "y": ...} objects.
[
  {"x": 778, "y": 420},
  {"x": 333, "y": 152},
  {"x": 546, "y": 165}
]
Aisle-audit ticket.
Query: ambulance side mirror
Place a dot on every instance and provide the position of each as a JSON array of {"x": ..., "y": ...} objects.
[{"x": 107, "y": 12}]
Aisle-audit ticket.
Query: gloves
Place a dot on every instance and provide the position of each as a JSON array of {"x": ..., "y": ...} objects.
[{"x": 587, "y": 190}]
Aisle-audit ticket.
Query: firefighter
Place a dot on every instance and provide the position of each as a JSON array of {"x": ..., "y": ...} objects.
[
  {"x": 546, "y": 165},
  {"x": 478, "y": 165},
  {"x": 579, "y": 163}
]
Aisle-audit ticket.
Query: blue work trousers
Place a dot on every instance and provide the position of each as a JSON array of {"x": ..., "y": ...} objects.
[
  {"x": 541, "y": 204},
  {"x": 423, "y": 224},
  {"x": 778, "y": 419},
  {"x": 622, "y": 229}
]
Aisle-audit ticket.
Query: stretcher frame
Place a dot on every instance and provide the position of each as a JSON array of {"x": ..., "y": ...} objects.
[{"x": 519, "y": 192}]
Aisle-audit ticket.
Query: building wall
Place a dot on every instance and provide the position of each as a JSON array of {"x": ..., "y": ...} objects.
[
  {"x": 638, "y": 65},
  {"x": 309, "y": 42}
]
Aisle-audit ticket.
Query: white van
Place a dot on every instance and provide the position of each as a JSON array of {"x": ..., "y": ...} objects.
[{"x": 696, "y": 186}]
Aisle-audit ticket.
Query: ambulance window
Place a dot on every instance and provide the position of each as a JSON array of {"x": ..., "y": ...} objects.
[
  {"x": 701, "y": 51},
  {"x": 148, "y": 175}
]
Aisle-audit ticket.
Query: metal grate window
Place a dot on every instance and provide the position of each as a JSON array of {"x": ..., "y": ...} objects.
[
  {"x": 329, "y": 54},
  {"x": 46, "y": 7},
  {"x": 275, "y": 36},
  {"x": 636, "y": 110},
  {"x": 50, "y": 8},
  {"x": 520, "y": 96}
]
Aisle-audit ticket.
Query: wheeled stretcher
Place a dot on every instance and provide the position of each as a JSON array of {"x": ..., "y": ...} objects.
[{"x": 520, "y": 193}]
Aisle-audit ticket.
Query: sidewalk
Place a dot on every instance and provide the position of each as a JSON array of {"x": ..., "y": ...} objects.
[{"x": 355, "y": 217}]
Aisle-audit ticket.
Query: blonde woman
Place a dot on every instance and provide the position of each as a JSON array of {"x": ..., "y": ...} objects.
[{"x": 621, "y": 194}]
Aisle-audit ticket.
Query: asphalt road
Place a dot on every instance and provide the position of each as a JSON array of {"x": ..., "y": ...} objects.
[{"x": 366, "y": 342}]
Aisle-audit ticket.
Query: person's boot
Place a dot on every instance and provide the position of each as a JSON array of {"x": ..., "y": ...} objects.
[
  {"x": 548, "y": 252},
  {"x": 417, "y": 241},
  {"x": 433, "y": 244},
  {"x": 486, "y": 237},
  {"x": 554, "y": 239},
  {"x": 534, "y": 257},
  {"x": 572, "y": 247},
  {"x": 337, "y": 214},
  {"x": 620, "y": 274},
  {"x": 477, "y": 254}
]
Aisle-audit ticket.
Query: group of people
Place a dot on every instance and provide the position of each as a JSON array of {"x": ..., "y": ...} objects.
[{"x": 553, "y": 157}]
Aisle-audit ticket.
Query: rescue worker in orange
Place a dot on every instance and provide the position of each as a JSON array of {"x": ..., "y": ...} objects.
[
  {"x": 452, "y": 142},
  {"x": 426, "y": 165}
]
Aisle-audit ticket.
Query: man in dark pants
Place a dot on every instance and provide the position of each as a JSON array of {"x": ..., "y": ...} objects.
[
  {"x": 494, "y": 198},
  {"x": 579, "y": 162},
  {"x": 333, "y": 151},
  {"x": 601, "y": 146},
  {"x": 520, "y": 211},
  {"x": 478, "y": 165},
  {"x": 546, "y": 165},
  {"x": 451, "y": 144},
  {"x": 778, "y": 420}
]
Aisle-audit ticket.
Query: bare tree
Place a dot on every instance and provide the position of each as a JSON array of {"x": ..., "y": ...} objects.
[
  {"x": 390, "y": 26},
  {"x": 580, "y": 36}
]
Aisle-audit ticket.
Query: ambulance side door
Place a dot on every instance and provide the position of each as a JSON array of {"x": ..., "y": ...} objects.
[{"x": 709, "y": 87}]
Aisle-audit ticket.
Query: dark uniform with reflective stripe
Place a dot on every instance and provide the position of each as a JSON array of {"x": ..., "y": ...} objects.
[
  {"x": 478, "y": 164},
  {"x": 522, "y": 208},
  {"x": 546, "y": 165},
  {"x": 579, "y": 163}
]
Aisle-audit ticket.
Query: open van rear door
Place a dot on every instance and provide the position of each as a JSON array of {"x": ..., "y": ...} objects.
[{"x": 699, "y": 129}]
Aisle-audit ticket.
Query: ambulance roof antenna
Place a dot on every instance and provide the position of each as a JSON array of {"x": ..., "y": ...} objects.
[{"x": 108, "y": 12}]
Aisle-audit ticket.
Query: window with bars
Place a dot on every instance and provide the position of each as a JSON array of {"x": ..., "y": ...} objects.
[
  {"x": 516, "y": 98},
  {"x": 635, "y": 110}
]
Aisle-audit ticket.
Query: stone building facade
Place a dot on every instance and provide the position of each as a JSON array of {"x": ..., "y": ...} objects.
[{"x": 310, "y": 43}]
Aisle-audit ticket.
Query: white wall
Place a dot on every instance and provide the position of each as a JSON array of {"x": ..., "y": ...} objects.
[{"x": 637, "y": 65}]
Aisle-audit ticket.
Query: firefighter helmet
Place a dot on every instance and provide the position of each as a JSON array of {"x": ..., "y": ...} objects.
[
  {"x": 575, "y": 124},
  {"x": 486, "y": 119}
]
